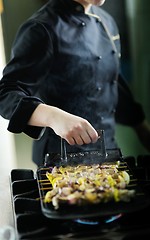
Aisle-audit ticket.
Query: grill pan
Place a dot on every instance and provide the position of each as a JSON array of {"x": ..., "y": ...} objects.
[{"x": 66, "y": 211}]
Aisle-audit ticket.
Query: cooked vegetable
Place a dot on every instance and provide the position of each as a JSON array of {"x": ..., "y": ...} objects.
[{"x": 88, "y": 184}]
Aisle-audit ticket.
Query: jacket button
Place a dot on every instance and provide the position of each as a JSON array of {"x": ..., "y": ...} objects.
[
  {"x": 113, "y": 51},
  {"x": 99, "y": 89},
  {"x": 82, "y": 24},
  {"x": 113, "y": 111},
  {"x": 99, "y": 58},
  {"x": 98, "y": 20},
  {"x": 119, "y": 55},
  {"x": 79, "y": 8},
  {"x": 114, "y": 81}
]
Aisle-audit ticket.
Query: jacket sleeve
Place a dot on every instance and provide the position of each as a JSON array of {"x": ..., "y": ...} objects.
[
  {"x": 22, "y": 76},
  {"x": 128, "y": 112}
]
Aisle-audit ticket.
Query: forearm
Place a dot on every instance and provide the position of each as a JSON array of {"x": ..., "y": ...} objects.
[
  {"x": 74, "y": 129},
  {"x": 42, "y": 116}
]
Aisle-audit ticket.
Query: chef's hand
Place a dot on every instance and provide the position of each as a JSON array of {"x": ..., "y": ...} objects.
[
  {"x": 74, "y": 129},
  {"x": 143, "y": 132}
]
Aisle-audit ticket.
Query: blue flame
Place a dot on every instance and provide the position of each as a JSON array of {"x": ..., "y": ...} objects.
[
  {"x": 92, "y": 222},
  {"x": 86, "y": 222},
  {"x": 113, "y": 218}
]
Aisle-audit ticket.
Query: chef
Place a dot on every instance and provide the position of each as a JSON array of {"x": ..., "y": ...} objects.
[{"x": 63, "y": 80}]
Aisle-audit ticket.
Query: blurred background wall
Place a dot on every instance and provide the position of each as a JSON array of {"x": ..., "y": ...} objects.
[
  {"x": 7, "y": 143},
  {"x": 132, "y": 17}
]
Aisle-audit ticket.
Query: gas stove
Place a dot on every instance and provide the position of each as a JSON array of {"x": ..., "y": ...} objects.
[{"x": 30, "y": 223}]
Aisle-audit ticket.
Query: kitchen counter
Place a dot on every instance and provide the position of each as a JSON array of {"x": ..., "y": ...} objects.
[
  {"x": 7, "y": 162},
  {"x": 5, "y": 202},
  {"x": 7, "y": 230}
]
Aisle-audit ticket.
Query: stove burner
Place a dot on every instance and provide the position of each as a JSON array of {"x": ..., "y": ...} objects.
[
  {"x": 114, "y": 218},
  {"x": 94, "y": 221},
  {"x": 87, "y": 221}
]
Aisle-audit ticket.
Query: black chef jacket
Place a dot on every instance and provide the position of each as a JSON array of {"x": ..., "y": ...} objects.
[{"x": 68, "y": 59}]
